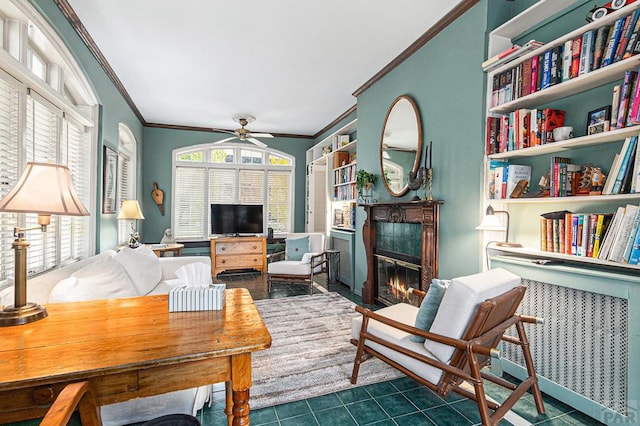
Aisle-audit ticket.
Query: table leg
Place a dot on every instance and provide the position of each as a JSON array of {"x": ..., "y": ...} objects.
[
  {"x": 240, "y": 384},
  {"x": 228, "y": 408}
]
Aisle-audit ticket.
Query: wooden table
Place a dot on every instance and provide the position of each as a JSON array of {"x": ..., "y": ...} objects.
[
  {"x": 130, "y": 348},
  {"x": 176, "y": 249}
]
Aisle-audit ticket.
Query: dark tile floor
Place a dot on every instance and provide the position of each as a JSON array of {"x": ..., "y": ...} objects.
[{"x": 398, "y": 402}]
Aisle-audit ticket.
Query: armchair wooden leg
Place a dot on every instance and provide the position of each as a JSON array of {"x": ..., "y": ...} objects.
[{"x": 528, "y": 360}]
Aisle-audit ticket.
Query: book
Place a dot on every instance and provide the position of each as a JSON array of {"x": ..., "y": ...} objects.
[
  {"x": 613, "y": 173},
  {"x": 628, "y": 26},
  {"x": 592, "y": 220},
  {"x": 534, "y": 74},
  {"x": 546, "y": 69},
  {"x": 568, "y": 232},
  {"x": 534, "y": 128},
  {"x": 625, "y": 93},
  {"x": 582, "y": 240},
  {"x": 599, "y": 45},
  {"x": 543, "y": 234},
  {"x": 615, "y": 103},
  {"x": 498, "y": 182},
  {"x": 601, "y": 228},
  {"x": 635, "y": 177},
  {"x": 633, "y": 38},
  {"x": 610, "y": 235},
  {"x": 624, "y": 163},
  {"x": 634, "y": 110},
  {"x": 586, "y": 52},
  {"x": 612, "y": 42},
  {"x": 623, "y": 234},
  {"x": 555, "y": 178},
  {"x": 493, "y": 165},
  {"x": 625, "y": 187},
  {"x": 555, "y": 73},
  {"x": 515, "y": 174},
  {"x": 566, "y": 60},
  {"x": 549, "y": 229},
  {"x": 493, "y": 135},
  {"x": 509, "y": 54},
  {"x": 576, "y": 47},
  {"x": 634, "y": 256},
  {"x": 632, "y": 237},
  {"x": 574, "y": 234}
]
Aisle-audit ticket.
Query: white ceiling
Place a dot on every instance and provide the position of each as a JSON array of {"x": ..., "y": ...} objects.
[{"x": 294, "y": 64}]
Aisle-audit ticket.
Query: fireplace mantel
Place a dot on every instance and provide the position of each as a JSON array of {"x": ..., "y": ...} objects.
[{"x": 426, "y": 213}]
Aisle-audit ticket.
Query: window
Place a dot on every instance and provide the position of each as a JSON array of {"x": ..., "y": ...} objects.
[
  {"x": 40, "y": 121},
  {"x": 232, "y": 174},
  {"x": 127, "y": 150}
]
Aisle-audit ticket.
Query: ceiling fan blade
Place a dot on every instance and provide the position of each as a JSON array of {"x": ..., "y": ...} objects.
[
  {"x": 231, "y": 132},
  {"x": 261, "y": 135},
  {"x": 257, "y": 142},
  {"x": 225, "y": 140}
]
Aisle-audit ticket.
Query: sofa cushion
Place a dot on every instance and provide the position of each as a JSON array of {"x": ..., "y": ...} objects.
[
  {"x": 296, "y": 248},
  {"x": 429, "y": 307},
  {"x": 103, "y": 279},
  {"x": 406, "y": 314},
  {"x": 142, "y": 265},
  {"x": 289, "y": 267},
  {"x": 460, "y": 302}
]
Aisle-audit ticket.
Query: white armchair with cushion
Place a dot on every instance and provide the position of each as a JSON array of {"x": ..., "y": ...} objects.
[{"x": 304, "y": 257}]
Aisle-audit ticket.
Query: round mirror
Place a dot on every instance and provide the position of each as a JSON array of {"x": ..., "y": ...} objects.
[{"x": 400, "y": 145}]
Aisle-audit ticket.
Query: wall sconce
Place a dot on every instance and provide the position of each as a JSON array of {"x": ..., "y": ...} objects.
[
  {"x": 491, "y": 222},
  {"x": 45, "y": 189},
  {"x": 130, "y": 210}
]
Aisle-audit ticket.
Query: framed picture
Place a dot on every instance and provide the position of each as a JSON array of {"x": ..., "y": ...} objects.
[
  {"x": 598, "y": 120},
  {"x": 109, "y": 180}
]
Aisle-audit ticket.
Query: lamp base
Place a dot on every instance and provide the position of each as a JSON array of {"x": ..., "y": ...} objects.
[
  {"x": 30, "y": 312},
  {"x": 508, "y": 244}
]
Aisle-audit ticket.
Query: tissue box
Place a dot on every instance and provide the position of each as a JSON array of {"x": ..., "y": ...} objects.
[{"x": 184, "y": 299}]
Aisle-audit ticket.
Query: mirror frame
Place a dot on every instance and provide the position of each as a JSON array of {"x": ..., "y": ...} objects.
[{"x": 416, "y": 162}]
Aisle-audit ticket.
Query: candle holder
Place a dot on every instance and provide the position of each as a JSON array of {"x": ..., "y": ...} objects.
[{"x": 430, "y": 179}]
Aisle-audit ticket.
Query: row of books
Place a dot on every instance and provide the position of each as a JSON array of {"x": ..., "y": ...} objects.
[
  {"x": 624, "y": 174},
  {"x": 605, "y": 236},
  {"x": 592, "y": 50},
  {"x": 345, "y": 174},
  {"x": 506, "y": 178},
  {"x": 344, "y": 192},
  {"x": 522, "y": 128}
]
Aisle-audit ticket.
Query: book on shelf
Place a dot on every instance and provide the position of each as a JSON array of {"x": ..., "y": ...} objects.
[
  {"x": 515, "y": 174},
  {"x": 599, "y": 45},
  {"x": 615, "y": 103},
  {"x": 534, "y": 75},
  {"x": 607, "y": 241},
  {"x": 635, "y": 172},
  {"x": 625, "y": 94},
  {"x": 602, "y": 225},
  {"x": 632, "y": 237},
  {"x": 623, "y": 234},
  {"x": 566, "y": 60},
  {"x": 543, "y": 234},
  {"x": 634, "y": 256},
  {"x": 625, "y": 37},
  {"x": 557, "y": 178},
  {"x": 612, "y": 42},
  {"x": 620, "y": 166},
  {"x": 576, "y": 48},
  {"x": 509, "y": 54},
  {"x": 492, "y": 166},
  {"x": 586, "y": 52}
]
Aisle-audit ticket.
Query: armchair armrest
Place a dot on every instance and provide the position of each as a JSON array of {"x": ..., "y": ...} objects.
[{"x": 276, "y": 257}]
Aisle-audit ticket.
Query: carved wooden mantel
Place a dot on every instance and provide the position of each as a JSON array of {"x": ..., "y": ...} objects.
[{"x": 426, "y": 213}]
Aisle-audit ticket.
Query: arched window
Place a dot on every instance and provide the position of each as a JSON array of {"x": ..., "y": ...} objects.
[
  {"x": 127, "y": 151},
  {"x": 231, "y": 174},
  {"x": 47, "y": 110}
]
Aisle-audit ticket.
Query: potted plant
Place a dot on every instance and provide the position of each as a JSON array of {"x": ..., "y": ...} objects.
[{"x": 365, "y": 180}]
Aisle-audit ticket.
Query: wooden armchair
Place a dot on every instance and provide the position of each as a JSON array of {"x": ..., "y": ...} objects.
[
  {"x": 450, "y": 360},
  {"x": 304, "y": 257}
]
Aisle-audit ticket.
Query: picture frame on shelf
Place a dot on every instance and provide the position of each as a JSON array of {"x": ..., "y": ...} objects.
[
  {"x": 598, "y": 120},
  {"x": 109, "y": 180}
]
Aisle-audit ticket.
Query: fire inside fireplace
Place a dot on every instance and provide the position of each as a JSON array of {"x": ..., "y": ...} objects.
[{"x": 394, "y": 279}]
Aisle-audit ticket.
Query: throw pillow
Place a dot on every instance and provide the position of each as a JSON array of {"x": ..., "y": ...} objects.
[
  {"x": 429, "y": 307},
  {"x": 142, "y": 265},
  {"x": 104, "y": 279},
  {"x": 297, "y": 247}
]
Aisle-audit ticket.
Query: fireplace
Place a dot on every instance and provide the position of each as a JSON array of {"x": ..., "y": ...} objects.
[
  {"x": 400, "y": 238},
  {"x": 394, "y": 278}
]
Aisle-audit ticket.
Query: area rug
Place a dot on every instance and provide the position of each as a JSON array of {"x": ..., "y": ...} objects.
[{"x": 310, "y": 353}]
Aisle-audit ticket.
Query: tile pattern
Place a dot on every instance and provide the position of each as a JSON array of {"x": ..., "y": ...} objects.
[{"x": 397, "y": 402}]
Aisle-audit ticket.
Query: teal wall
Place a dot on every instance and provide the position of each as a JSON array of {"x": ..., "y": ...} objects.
[
  {"x": 156, "y": 159},
  {"x": 114, "y": 110},
  {"x": 446, "y": 81}
]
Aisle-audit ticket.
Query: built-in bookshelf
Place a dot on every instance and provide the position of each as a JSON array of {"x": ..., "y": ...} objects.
[{"x": 502, "y": 38}]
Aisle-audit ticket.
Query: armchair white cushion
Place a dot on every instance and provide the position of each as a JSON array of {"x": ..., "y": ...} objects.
[{"x": 301, "y": 262}]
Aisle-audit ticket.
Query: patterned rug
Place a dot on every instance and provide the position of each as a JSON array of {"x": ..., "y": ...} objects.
[{"x": 310, "y": 354}]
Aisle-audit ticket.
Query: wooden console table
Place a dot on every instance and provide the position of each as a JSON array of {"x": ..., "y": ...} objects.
[
  {"x": 130, "y": 348},
  {"x": 176, "y": 249},
  {"x": 233, "y": 253}
]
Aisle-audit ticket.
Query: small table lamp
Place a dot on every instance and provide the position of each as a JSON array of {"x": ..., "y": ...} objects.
[
  {"x": 490, "y": 222},
  {"x": 130, "y": 210},
  {"x": 44, "y": 189}
]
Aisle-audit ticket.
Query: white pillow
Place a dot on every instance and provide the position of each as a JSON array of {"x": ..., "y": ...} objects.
[
  {"x": 460, "y": 302},
  {"x": 142, "y": 265},
  {"x": 104, "y": 279}
]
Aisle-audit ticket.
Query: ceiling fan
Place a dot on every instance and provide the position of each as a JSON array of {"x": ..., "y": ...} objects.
[{"x": 242, "y": 133}]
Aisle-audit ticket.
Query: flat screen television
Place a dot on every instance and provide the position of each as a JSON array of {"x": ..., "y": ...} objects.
[{"x": 236, "y": 219}]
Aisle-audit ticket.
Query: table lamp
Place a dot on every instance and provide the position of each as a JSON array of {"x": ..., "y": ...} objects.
[
  {"x": 491, "y": 222},
  {"x": 44, "y": 189},
  {"x": 130, "y": 210}
]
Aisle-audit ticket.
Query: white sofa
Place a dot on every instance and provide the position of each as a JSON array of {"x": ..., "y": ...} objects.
[{"x": 149, "y": 275}]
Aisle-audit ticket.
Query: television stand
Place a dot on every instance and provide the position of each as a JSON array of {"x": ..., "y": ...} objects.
[{"x": 233, "y": 253}]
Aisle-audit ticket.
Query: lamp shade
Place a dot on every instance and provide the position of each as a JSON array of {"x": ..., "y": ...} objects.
[
  {"x": 130, "y": 209},
  {"x": 45, "y": 189},
  {"x": 490, "y": 222}
]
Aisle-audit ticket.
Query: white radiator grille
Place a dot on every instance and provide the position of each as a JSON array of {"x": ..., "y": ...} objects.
[{"x": 582, "y": 344}]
